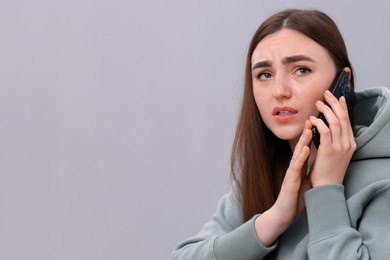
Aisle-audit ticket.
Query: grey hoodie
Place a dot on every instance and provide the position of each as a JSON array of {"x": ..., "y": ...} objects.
[{"x": 349, "y": 221}]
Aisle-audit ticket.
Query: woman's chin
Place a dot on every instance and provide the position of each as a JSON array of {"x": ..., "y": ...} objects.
[{"x": 287, "y": 136}]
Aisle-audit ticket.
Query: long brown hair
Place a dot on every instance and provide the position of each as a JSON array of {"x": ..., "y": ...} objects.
[{"x": 260, "y": 159}]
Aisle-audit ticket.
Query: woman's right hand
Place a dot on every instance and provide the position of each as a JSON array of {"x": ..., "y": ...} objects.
[{"x": 272, "y": 223}]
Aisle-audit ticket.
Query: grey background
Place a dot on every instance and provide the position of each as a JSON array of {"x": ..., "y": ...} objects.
[{"x": 117, "y": 117}]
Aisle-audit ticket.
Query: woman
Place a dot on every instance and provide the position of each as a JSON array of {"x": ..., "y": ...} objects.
[{"x": 290, "y": 200}]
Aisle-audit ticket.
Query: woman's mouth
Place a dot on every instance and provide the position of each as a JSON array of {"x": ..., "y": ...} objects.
[{"x": 284, "y": 114}]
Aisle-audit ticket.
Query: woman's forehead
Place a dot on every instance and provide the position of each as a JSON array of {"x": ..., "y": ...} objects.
[{"x": 285, "y": 43}]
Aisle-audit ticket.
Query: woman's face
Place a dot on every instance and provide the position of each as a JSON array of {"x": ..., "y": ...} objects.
[{"x": 290, "y": 72}]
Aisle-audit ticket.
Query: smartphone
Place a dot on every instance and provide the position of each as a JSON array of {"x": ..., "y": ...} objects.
[{"x": 340, "y": 87}]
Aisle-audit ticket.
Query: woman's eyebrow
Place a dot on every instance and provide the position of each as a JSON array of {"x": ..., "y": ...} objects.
[
  {"x": 262, "y": 64},
  {"x": 296, "y": 58},
  {"x": 285, "y": 60}
]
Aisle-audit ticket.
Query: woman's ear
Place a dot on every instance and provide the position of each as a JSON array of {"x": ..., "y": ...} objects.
[{"x": 348, "y": 71}]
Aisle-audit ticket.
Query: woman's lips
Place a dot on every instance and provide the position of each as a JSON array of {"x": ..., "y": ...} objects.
[{"x": 284, "y": 114}]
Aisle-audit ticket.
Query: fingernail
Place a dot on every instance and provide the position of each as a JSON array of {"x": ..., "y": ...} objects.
[
  {"x": 319, "y": 102},
  {"x": 328, "y": 93}
]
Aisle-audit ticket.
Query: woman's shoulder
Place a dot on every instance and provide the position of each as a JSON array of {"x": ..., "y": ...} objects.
[{"x": 370, "y": 174}]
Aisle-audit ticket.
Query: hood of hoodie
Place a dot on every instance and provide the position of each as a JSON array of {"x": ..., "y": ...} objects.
[{"x": 372, "y": 115}]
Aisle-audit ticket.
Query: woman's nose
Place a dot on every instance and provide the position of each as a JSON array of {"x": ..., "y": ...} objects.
[{"x": 281, "y": 87}]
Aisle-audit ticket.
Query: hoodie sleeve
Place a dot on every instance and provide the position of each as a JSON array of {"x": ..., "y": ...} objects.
[
  {"x": 334, "y": 236},
  {"x": 224, "y": 237}
]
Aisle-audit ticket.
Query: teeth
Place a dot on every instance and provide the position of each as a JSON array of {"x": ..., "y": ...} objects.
[{"x": 282, "y": 113}]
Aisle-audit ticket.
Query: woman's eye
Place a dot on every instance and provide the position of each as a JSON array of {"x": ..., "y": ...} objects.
[
  {"x": 303, "y": 71},
  {"x": 264, "y": 75}
]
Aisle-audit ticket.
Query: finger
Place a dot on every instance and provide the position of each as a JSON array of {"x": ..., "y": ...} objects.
[
  {"x": 305, "y": 186},
  {"x": 293, "y": 178},
  {"x": 334, "y": 103},
  {"x": 346, "y": 121},
  {"x": 308, "y": 125},
  {"x": 304, "y": 140},
  {"x": 301, "y": 152},
  {"x": 325, "y": 136},
  {"x": 333, "y": 121},
  {"x": 298, "y": 162},
  {"x": 347, "y": 128},
  {"x": 344, "y": 106},
  {"x": 340, "y": 110}
]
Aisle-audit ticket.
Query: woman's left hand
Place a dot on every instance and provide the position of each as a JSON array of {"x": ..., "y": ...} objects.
[{"x": 337, "y": 142}]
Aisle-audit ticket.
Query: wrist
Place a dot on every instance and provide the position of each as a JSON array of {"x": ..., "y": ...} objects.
[
  {"x": 269, "y": 227},
  {"x": 325, "y": 181}
]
